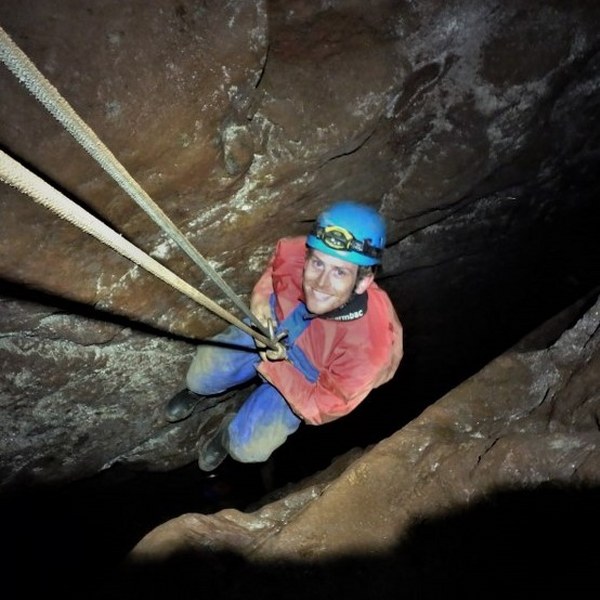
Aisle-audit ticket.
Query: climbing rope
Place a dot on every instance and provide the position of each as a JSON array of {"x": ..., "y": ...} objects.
[
  {"x": 20, "y": 65},
  {"x": 16, "y": 175}
]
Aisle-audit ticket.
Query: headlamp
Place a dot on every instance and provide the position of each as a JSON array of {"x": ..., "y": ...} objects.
[{"x": 338, "y": 238}]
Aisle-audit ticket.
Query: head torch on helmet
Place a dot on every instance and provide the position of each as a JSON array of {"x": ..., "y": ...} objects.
[
  {"x": 338, "y": 238},
  {"x": 349, "y": 230}
]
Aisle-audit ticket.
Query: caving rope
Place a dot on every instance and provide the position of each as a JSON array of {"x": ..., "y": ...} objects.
[{"x": 13, "y": 173}]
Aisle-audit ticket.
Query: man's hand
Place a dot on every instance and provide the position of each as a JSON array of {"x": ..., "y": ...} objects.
[
  {"x": 266, "y": 353},
  {"x": 261, "y": 308},
  {"x": 262, "y": 311},
  {"x": 275, "y": 355}
]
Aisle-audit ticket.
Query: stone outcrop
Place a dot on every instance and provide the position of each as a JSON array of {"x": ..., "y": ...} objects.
[{"x": 515, "y": 441}]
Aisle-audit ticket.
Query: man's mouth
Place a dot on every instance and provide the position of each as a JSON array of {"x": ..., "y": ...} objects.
[{"x": 320, "y": 296}]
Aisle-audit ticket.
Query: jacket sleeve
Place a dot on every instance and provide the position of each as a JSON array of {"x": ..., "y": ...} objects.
[{"x": 282, "y": 276}]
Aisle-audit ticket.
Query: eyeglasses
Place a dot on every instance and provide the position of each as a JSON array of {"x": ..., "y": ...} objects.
[{"x": 338, "y": 238}]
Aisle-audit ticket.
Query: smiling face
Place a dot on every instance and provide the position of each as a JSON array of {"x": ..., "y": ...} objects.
[{"x": 329, "y": 282}]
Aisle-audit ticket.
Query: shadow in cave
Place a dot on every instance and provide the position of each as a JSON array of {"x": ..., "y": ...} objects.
[
  {"x": 512, "y": 544},
  {"x": 61, "y": 534},
  {"x": 57, "y": 304}
]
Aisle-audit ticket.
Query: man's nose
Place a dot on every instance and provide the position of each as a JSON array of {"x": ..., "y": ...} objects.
[{"x": 323, "y": 279}]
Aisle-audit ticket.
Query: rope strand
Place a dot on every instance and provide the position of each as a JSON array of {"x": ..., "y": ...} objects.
[
  {"x": 16, "y": 175},
  {"x": 20, "y": 65}
]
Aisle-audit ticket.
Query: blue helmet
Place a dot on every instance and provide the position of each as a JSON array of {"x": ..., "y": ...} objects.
[{"x": 351, "y": 231}]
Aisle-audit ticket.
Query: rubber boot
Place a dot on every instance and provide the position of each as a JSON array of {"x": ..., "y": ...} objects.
[
  {"x": 212, "y": 447},
  {"x": 181, "y": 405}
]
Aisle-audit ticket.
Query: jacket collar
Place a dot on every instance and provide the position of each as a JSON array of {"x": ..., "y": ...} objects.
[{"x": 354, "y": 309}]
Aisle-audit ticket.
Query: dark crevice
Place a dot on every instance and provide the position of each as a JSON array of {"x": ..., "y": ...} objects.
[
  {"x": 59, "y": 305},
  {"x": 353, "y": 148}
]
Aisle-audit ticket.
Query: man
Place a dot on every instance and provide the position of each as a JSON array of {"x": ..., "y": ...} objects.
[{"x": 342, "y": 339}]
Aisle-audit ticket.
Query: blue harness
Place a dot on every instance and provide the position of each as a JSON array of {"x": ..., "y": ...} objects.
[{"x": 294, "y": 324}]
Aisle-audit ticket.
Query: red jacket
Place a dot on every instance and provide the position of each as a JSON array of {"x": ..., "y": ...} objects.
[{"x": 352, "y": 357}]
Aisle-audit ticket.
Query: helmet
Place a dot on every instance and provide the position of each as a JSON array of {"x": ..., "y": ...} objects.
[{"x": 351, "y": 231}]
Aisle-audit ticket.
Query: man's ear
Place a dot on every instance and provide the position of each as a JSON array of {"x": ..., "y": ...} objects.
[{"x": 364, "y": 283}]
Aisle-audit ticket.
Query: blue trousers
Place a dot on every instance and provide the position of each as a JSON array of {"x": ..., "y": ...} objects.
[{"x": 264, "y": 420}]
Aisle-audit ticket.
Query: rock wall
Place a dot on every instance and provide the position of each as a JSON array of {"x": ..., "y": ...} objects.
[{"x": 469, "y": 124}]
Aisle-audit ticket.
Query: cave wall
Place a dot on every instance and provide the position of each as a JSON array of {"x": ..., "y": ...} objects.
[{"x": 468, "y": 124}]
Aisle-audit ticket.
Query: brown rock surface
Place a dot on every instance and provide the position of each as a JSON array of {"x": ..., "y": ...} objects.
[
  {"x": 241, "y": 120},
  {"x": 527, "y": 422},
  {"x": 471, "y": 125}
]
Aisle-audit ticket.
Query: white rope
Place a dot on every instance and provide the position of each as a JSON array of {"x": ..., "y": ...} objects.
[
  {"x": 16, "y": 175},
  {"x": 20, "y": 65}
]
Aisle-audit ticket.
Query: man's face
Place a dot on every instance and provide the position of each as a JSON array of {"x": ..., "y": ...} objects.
[{"x": 328, "y": 282}]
